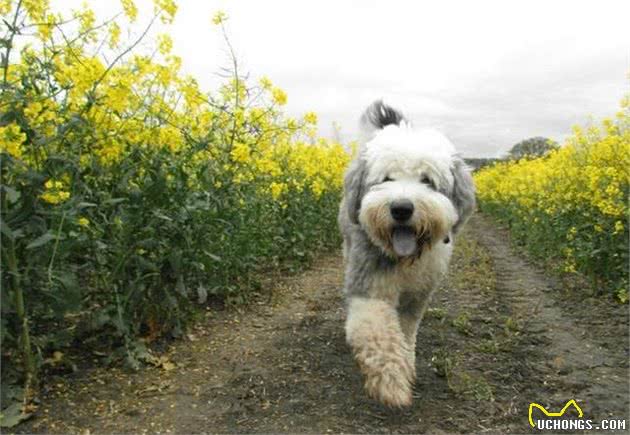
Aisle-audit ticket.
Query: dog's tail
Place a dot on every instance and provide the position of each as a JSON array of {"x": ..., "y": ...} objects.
[{"x": 377, "y": 116}]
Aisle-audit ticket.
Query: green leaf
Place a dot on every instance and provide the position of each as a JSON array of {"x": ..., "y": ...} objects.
[
  {"x": 114, "y": 201},
  {"x": 214, "y": 257},
  {"x": 145, "y": 264},
  {"x": 65, "y": 296},
  {"x": 202, "y": 294},
  {"x": 159, "y": 215},
  {"x": 4, "y": 229},
  {"x": 13, "y": 415},
  {"x": 180, "y": 287},
  {"x": 12, "y": 194},
  {"x": 41, "y": 240}
]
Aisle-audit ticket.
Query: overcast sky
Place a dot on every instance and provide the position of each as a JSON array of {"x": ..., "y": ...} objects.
[{"x": 487, "y": 73}]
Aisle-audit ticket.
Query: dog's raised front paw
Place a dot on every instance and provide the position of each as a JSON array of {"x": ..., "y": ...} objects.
[{"x": 391, "y": 386}]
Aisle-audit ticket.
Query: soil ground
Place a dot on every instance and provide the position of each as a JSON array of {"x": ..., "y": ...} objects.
[{"x": 500, "y": 334}]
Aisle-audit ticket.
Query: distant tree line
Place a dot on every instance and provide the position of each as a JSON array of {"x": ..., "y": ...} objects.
[
  {"x": 533, "y": 147},
  {"x": 478, "y": 163}
]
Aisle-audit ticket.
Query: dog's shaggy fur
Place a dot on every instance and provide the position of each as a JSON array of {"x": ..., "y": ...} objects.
[{"x": 406, "y": 195}]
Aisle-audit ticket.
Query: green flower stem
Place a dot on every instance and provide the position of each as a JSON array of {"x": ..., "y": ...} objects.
[{"x": 27, "y": 353}]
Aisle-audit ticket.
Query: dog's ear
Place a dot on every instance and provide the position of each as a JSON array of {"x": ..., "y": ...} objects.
[
  {"x": 463, "y": 193},
  {"x": 354, "y": 188}
]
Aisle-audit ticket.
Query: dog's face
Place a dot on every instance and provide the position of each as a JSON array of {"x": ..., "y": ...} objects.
[{"x": 408, "y": 190}]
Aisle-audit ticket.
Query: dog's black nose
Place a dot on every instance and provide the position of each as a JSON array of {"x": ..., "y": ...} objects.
[{"x": 401, "y": 210}]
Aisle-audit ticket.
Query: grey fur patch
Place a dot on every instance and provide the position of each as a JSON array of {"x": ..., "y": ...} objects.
[
  {"x": 463, "y": 192},
  {"x": 354, "y": 188},
  {"x": 379, "y": 115},
  {"x": 364, "y": 261}
]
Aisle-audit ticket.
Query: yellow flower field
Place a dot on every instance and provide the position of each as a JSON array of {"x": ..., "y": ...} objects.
[
  {"x": 571, "y": 204},
  {"x": 130, "y": 196}
]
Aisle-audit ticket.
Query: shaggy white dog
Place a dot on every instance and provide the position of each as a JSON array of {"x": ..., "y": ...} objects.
[{"x": 405, "y": 196}]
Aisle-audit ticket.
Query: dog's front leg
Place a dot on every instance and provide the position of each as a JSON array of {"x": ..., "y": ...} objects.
[{"x": 374, "y": 332}]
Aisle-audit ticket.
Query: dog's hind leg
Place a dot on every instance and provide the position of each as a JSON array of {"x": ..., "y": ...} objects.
[
  {"x": 409, "y": 326},
  {"x": 374, "y": 332},
  {"x": 411, "y": 309}
]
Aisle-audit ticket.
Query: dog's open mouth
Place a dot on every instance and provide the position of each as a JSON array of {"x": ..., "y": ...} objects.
[{"x": 404, "y": 241}]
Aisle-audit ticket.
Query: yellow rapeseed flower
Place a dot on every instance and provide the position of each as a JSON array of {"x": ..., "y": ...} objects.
[
  {"x": 310, "y": 118},
  {"x": 5, "y": 7},
  {"x": 619, "y": 227},
  {"x": 279, "y": 96},
  {"x": 130, "y": 9},
  {"x": 240, "y": 153},
  {"x": 110, "y": 153},
  {"x": 55, "y": 192},
  {"x": 265, "y": 83},
  {"x": 114, "y": 35},
  {"x": 36, "y": 9},
  {"x": 169, "y": 7},
  {"x": 277, "y": 189},
  {"x": 219, "y": 17},
  {"x": 165, "y": 44},
  {"x": 11, "y": 140}
]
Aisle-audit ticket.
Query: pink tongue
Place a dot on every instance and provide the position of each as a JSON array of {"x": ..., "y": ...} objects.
[{"x": 404, "y": 241}]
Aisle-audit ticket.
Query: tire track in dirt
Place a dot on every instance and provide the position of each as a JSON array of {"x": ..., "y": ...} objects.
[{"x": 498, "y": 335}]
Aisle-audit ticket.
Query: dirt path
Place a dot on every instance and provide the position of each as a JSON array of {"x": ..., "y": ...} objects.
[{"x": 499, "y": 335}]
